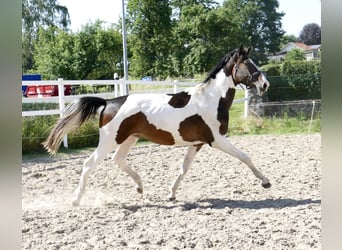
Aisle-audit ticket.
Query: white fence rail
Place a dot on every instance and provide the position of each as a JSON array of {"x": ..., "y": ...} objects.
[{"x": 120, "y": 88}]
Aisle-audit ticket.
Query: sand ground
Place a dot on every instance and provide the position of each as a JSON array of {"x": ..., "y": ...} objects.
[{"x": 220, "y": 204}]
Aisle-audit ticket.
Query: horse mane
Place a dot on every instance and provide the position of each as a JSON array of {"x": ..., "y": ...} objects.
[{"x": 219, "y": 66}]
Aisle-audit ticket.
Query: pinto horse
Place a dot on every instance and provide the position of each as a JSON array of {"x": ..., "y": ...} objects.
[{"x": 190, "y": 118}]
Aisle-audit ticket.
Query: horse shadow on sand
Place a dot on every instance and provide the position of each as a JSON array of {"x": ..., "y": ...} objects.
[
  {"x": 245, "y": 204},
  {"x": 232, "y": 204}
]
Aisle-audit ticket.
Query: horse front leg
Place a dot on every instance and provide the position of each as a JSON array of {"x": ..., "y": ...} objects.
[
  {"x": 190, "y": 155},
  {"x": 223, "y": 144}
]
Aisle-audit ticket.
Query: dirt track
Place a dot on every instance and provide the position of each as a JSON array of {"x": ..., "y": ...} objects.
[{"x": 220, "y": 204}]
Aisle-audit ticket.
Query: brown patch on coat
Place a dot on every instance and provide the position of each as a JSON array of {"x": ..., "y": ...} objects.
[
  {"x": 111, "y": 109},
  {"x": 194, "y": 128},
  {"x": 138, "y": 125},
  {"x": 223, "y": 110},
  {"x": 179, "y": 100}
]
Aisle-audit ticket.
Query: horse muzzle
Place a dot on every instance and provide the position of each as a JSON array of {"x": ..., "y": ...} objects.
[{"x": 263, "y": 89}]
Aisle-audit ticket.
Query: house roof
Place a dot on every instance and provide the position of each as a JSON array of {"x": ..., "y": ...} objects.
[
  {"x": 301, "y": 46},
  {"x": 315, "y": 47},
  {"x": 297, "y": 45}
]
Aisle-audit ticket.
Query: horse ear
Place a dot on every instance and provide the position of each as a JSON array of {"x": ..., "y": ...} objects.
[
  {"x": 249, "y": 50},
  {"x": 235, "y": 57},
  {"x": 241, "y": 48}
]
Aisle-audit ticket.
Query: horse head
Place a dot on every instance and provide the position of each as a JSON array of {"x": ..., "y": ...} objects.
[{"x": 244, "y": 71}]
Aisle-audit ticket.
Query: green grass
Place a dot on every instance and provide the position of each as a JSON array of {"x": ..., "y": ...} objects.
[
  {"x": 286, "y": 125},
  {"x": 238, "y": 125}
]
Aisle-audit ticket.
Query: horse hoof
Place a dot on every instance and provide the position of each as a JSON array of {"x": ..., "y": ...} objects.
[
  {"x": 266, "y": 185},
  {"x": 139, "y": 190},
  {"x": 171, "y": 198}
]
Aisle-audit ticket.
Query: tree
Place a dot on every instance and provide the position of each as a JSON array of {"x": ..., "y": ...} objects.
[
  {"x": 190, "y": 38},
  {"x": 92, "y": 53},
  {"x": 149, "y": 25},
  {"x": 310, "y": 34},
  {"x": 54, "y": 53},
  {"x": 97, "y": 52},
  {"x": 203, "y": 33},
  {"x": 36, "y": 13},
  {"x": 285, "y": 39},
  {"x": 259, "y": 24}
]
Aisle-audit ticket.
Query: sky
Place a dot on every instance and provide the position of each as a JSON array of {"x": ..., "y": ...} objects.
[{"x": 298, "y": 13}]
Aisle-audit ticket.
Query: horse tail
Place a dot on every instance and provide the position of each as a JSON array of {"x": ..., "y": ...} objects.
[{"x": 78, "y": 112}]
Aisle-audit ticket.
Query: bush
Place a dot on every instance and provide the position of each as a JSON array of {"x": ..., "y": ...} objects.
[
  {"x": 271, "y": 69},
  {"x": 293, "y": 80},
  {"x": 39, "y": 106},
  {"x": 279, "y": 90},
  {"x": 36, "y": 129},
  {"x": 304, "y": 77},
  {"x": 86, "y": 136}
]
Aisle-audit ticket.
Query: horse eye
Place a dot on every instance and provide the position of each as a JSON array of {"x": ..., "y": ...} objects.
[{"x": 246, "y": 61}]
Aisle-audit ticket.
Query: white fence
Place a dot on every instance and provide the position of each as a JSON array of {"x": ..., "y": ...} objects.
[{"x": 120, "y": 88}]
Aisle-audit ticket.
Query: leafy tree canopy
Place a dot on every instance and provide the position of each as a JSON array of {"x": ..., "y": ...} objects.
[
  {"x": 165, "y": 38},
  {"x": 259, "y": 25},
  {"x": 285, "y": 39},
  {"x": 149, "y": 25},
  {"x": 36, "y": 13},
  {"x": 310, "y": 34},
  {"x": 92, "y": 53},
  {"x": 202, "y": 36}
]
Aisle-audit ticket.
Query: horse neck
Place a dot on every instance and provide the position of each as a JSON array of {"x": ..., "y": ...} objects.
[{"x": 222, "y": 86}]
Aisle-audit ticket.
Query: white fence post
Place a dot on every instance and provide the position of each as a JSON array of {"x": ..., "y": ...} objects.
[
  {"x": 175, "y": 89},
  {"x": 245, "y": 111},
  {"x": 123, "y": 88},
  {"x": 62, "y": 105},
  {"x": 115, "y": 89},
  {"x": 312, "y": 114}
]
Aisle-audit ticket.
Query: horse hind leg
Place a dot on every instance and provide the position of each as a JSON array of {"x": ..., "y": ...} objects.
[
  {"x": 104, "y": 147},
  {"x": 120, "y": 158},
  {"x": 190, "y": 155}
]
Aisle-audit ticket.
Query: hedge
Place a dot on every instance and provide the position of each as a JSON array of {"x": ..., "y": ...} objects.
[
  {"x": 293, "y": 80},
  {"x": 36, "y": 129}
]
